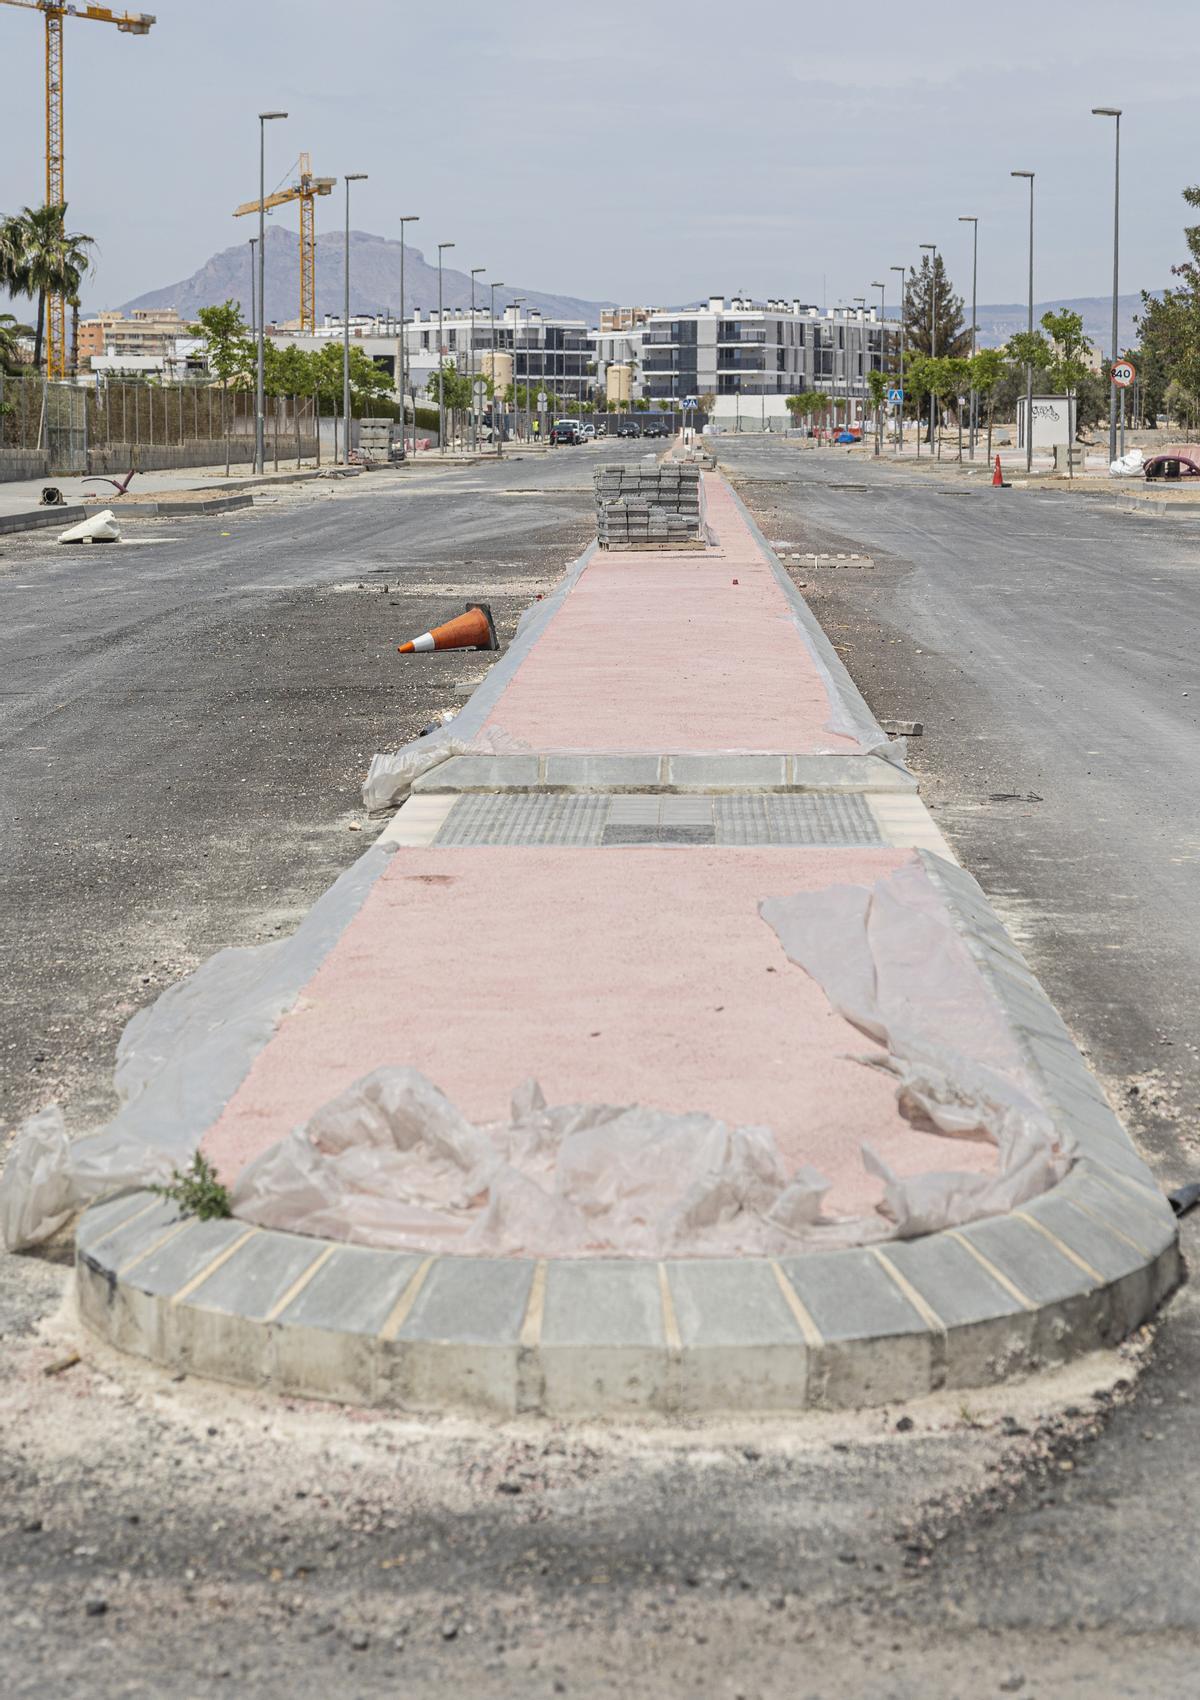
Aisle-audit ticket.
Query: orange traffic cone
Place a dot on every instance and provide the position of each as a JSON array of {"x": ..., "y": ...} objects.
[
  {"x": 473, "y": 630},
  {"x": 997, "y": 476}
]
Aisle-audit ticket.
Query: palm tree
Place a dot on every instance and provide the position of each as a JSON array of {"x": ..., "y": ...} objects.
[
  {"x": 51, "y": 260},
  {"x": 11, "y": 363}
]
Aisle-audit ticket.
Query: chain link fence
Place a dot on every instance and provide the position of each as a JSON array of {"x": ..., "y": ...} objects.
[{"x": 112, "y": 426}]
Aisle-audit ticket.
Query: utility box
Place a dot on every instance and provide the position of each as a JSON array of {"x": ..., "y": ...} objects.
[{"x": 1053, "y": 421}]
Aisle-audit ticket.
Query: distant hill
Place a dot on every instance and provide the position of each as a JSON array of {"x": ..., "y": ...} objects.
[
  {"x": 374, "y": 281},
  {"x": 997, "y": 323}
]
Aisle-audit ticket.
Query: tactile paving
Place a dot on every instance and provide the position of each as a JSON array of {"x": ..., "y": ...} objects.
[{"x": 632, "y": 818}]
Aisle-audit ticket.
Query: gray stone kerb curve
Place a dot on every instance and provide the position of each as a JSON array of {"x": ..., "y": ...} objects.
[{"x": 1076, "y": 1269}]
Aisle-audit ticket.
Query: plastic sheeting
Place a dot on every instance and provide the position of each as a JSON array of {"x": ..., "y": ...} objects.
[
  {"x": 1131, "y": 465},
  {"x": 392, "y": 1163},
  {"x": 179, "y": 1061},
  {"x": 890, "y": 960}
]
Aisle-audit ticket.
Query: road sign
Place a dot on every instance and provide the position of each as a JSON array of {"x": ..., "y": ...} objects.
[
  {"x": 479, "y": 390},
  {"x": 688, "y": 403},
  {"x": 543, "y": 401},
  {"x": 895, "y": 397},
  {"x": 1123, "y": 372}
]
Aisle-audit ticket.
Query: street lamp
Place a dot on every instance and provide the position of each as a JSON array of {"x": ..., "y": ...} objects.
[
  {"x": 441, "y": 247},
  {"x": 931, "y": 247},
  {"x": 860, "y": 302},
  {"x": 1029, "y": 328},
  {"x": 351, "y": 177},
  {"x": 1114, "y": 355},
  {"x": 903, "y": 270},
  {"x": 264, "y": 119},
  {"x": 410, "y": 218},
  {"x": 476, "y": 271},
  {"x": 968, "y": 218},
  {"x": 517, "y": 302},
  {"x": 882, "y": 363},
  {"x": 497, "y": 429}
]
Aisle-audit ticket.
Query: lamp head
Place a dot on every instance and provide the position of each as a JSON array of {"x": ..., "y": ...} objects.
[
  {"x": 1106, "y": 112},
  {"x": 1028, "y": 174},
  {"x": 263, "y": 116}
]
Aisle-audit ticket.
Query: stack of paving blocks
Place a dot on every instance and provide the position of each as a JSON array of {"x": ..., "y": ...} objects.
[{"x": 648, "y": 506}]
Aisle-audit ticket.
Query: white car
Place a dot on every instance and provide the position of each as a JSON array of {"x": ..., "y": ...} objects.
[{"x": 587, "y": 433}]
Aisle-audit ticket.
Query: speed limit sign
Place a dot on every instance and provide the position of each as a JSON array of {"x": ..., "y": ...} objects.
[{"x": 1123, "y": 372}]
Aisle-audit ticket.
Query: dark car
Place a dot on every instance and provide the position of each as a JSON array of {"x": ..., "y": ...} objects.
[
  {"x": 629, "y": 430},
  {"x": 655, "y": 430},
  {"x": 565, "y": 431}
]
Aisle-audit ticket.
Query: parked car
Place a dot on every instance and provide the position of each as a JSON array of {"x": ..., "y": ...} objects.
[
  {"x": 654, "y": 429},
  {"x": 587, "y": 431},
  {"x": 565, "y": 431},
  {"x": 629, "y": 429}
]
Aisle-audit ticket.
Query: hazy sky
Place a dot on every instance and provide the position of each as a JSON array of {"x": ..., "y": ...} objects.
[{"x": 639, "y": 151}]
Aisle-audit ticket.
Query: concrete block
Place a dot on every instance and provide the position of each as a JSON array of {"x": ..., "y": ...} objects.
[
  {"x": 481, "y": 773},
  {"x": 989, "y": 1334},
  {"x": 742, "y": 1348},
  {"x": 325, "y": 1343},
  {"x": 846, "y": 773},
  {"x": 726, "y": 772},
  {"x": 873, "y": 1338},
  {"x": 458, "y": 1345},
  {"x": 602, "y": 772},
  {"x": 603, "y": 1347}
]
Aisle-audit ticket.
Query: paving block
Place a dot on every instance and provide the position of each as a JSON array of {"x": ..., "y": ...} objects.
[
  {"x": 872, "y": 1335},
  {"x": 742, "y": 1347},
  {"x": 458, "y": 1344},
  {"x": 603, "y": 1345}
]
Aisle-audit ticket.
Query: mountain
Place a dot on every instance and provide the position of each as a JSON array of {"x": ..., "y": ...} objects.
[
  {"x": 997, "y": 323},
  {"x": 374, "y": 281}
]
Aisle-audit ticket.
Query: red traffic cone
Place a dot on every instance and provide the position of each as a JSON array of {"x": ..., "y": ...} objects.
[
  {"x": 997, "y": 476},
  {"x": 473, "y": 630}
]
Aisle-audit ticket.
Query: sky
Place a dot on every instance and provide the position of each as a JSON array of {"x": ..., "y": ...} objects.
[{"x": 642, "y": 152}]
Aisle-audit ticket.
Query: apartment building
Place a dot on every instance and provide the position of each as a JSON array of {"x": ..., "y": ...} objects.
[
  {"x": 148, "y": 333},
  {"x": 771, "y": 348}
]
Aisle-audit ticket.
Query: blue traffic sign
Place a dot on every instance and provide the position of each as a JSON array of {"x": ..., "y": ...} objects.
[
  {"x": 895, "y": 395},
  {"x": 689, "y": 401}
]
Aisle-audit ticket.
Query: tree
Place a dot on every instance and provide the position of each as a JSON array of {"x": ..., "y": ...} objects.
[
  {"x": 665, "y": 406},
  {"x": 1170, "y": 325},
  {"x": 642, "y": 404},
  {"x": 927, "y": 296},
  {"x": 228, "y": 348},
  {"x": 39, "y": 256},
  {"x": 11, "y": 333},
  {"x": 985, "y": 371},
  {"x": 708, "y": 402}
]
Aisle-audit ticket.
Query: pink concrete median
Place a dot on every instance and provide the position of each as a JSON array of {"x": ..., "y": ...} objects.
[{"x": 675, "y": 652}]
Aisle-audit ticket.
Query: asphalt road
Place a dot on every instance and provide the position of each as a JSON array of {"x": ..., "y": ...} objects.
[{"x": 165, "y": 1539}]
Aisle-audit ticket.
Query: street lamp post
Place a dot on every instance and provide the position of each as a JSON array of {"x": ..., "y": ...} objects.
[
  {"x": 860, "y": 301},
  {"x": 903, "y": 270},
  {"x": 882, "y": 288},
  {"x": 497, "y": 428},
  {"x": 253, "y": 314},
  {"x": 351, "y": 177},
  {"x": 409, "y": 218},
  {"x": 259, "y": 420},
  {"x": 1029, "y": 328},
  {"x": 476, "y": 271},
  {"x": 1114, "y": 353},
  {"x": 517, "y": 302},
  {"x": 441, "y": 248},
  {"x": 931, "y": 247},
  {"x": 968, "y": 218}
]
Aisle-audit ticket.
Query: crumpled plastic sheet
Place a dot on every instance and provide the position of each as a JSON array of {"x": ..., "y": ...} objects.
[
  {"x": 178, "y": 1062},
  {"x": 391, "y": 774},
  {"x": 891, "y": 962},
  {"x": 1131, "y": 465},
  {"x": 392, "y": 1163}
]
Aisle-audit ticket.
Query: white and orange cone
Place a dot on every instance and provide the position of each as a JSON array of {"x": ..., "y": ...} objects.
[{"x": 473, "y": 630}]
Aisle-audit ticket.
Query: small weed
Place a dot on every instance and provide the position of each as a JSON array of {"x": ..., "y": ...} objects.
[{"x": 197, "y": 1191}]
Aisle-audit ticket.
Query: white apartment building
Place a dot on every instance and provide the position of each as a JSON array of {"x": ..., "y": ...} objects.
[{"x": 771, "y": 348}]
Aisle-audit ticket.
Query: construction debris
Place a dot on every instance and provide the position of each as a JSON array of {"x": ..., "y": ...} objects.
[
  {"x": 99, "y": 528},
  {"x": 652, "y": 506}
]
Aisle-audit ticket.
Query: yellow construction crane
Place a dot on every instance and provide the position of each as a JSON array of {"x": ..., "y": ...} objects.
[
  {"x": 305, "y": 191},
  {"x": 130, "y": 23}
]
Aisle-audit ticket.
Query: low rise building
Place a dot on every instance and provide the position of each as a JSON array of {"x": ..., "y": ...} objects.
[{"x": 148, "y": 333}]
